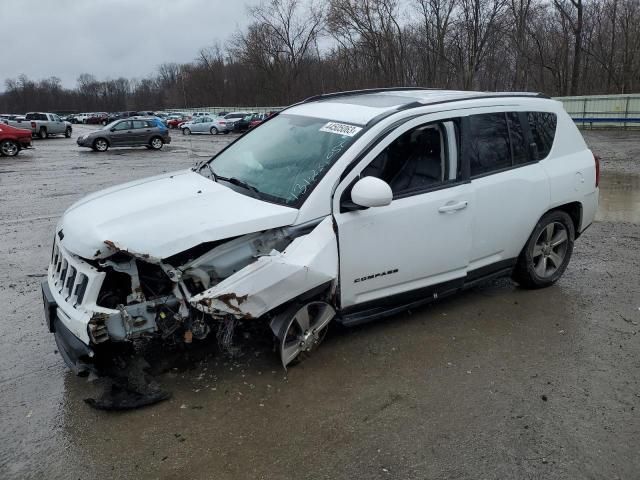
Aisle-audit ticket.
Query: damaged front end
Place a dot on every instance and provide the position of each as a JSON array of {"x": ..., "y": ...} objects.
[{"x": 125, "y": 295}]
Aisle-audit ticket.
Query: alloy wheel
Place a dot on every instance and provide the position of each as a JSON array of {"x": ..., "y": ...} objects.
[
  {"x": 550, "y": 249},
  {"x": 305, "y": 330},
  {"x": 9, "y": 148},
  {"x": 101, "y": 145}
]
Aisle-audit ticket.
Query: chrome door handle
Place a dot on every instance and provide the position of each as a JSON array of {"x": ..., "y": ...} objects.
[{"x": 452, "y": 207}]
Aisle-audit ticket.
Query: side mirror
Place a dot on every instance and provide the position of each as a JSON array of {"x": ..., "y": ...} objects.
[
  {"x": 371, "y": 192},
  {"x": 112, "y": 129}
]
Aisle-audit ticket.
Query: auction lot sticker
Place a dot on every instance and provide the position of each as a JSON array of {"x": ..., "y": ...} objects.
[{"x": 341, "y": 129}]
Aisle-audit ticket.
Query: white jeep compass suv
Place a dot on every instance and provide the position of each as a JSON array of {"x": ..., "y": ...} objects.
[{"x": 345, "y": 207}]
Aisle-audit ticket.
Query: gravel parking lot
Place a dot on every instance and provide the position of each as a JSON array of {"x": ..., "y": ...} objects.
[{"x": 496, "y": 382}]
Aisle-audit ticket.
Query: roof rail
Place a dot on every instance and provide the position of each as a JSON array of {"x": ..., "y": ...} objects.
[{"x": 323, "y": 96}]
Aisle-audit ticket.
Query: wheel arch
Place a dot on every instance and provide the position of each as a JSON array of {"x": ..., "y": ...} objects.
[{"x": 574, "y": 210}]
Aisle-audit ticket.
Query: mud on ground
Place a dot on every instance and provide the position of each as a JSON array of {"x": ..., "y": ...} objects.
[{"x": 493, "y": 383}]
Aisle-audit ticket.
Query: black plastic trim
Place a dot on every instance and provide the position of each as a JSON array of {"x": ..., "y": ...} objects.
[
  {"x": 50, "y": 306},
  {"x": 387, "y": 306}
]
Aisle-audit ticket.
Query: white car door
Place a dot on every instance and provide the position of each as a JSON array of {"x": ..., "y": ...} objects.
[
  {"x": 510, "y": 187},
  {"x": 418, "y": 246}
]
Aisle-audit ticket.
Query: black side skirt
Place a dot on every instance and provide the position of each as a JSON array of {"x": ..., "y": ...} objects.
[{"x": 388, "y": 306}]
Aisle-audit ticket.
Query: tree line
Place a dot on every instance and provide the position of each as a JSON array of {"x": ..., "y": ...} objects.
[{"x": 293, "y": 49}]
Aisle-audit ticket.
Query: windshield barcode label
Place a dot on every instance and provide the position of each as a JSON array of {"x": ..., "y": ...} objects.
[{"x": 341, "y": 129}]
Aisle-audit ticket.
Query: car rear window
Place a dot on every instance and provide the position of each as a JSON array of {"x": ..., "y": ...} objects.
[{"x": 543, "y": 129}]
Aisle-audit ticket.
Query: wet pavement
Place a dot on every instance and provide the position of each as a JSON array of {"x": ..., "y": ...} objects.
[{"x": 496, "y": 382}]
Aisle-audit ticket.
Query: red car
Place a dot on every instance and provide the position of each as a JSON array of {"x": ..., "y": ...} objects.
[
  {"x": 258, "y": 118},
  {"x": 12, "y": 140},
  {"x": 175, "y": 122},
  {"x": 97, "y": 118}
]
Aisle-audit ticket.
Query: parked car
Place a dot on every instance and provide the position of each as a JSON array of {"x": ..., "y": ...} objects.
[
  {"x": 139, "y": 132},
  {"x": 346, "y": 207},
  {"x": 257, "y": 119},
  {"x": 242, "y": 124},
  {"x": 47, "y": 124},
  {"x": 12, "y": 140},
  {"x": 81, "y": 117},
  {"x": 98, "y": 118},
  {"x": 174, "y": 121},
  {"x": 234, "y": 117},
  {"x": 204, "y": 125},
  {"x": 112, "y": 117}
]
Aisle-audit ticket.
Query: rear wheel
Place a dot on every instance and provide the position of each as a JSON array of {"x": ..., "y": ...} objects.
[
  {"x": 547, "y": 253},
  {"x": 100, "y": 145},
  {"x": 9, "y": 148},
  {"x": 213, "y": 131},
  {"x": 67, "y": 132},
  {"x": 156, "y": 143},
  {"x": 43, "y": 132},
  {"x": 186, "y": 131}
]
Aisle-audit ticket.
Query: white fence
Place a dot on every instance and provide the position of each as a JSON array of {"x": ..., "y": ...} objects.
[
  {"x": 588, "y": 110},
  {"x": 604, "y": 110}
]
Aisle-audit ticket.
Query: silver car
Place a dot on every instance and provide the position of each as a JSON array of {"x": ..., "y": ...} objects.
[{"x": 204, "y": 125}]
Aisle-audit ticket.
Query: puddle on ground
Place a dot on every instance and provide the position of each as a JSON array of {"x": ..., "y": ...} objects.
[{"x": 619, "y": 198}]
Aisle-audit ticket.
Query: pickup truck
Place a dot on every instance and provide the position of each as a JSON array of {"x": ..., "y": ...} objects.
[{"x": 45, "y": 124}]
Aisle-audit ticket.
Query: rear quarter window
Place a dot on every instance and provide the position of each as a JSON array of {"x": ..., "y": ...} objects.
[{"x": 543, "y": 130}]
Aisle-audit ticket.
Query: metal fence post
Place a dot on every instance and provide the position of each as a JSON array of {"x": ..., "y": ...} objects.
[{"x": 626, "y": 112}]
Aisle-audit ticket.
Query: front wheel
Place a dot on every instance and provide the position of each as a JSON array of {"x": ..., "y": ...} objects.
[
  {"x": 156, "y": 143},
  {"x": 100, "y": 145},
  {"x": 67, "y": 133},
  {"x": 300, "y": 329},
  {"x": 9, "y": 148},
  {"x": 186, "y": 131},
  {"x": 546, "y": 254}
]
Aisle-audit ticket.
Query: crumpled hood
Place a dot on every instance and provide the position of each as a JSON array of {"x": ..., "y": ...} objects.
[{"x": 160, "y": 216}]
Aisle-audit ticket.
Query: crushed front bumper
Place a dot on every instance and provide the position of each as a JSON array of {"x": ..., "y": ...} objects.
[{"x": 75, "y": 353}]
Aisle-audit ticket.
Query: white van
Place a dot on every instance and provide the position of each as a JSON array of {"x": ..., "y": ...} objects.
[{"x": 345, "y": 207}]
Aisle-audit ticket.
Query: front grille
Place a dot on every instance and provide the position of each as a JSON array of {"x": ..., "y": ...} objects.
[{"x": 69, "y": 275}]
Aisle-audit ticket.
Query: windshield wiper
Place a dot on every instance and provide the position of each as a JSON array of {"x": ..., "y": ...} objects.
[
  {"x": 215, "y": 177},
  {"x": 236, "y": 181}
]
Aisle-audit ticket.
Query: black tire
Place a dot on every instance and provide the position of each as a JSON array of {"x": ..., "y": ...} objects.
[
  {"x": 100, "y": 145},
  {"x": 156, "y": 143},
  {"x": 43, "y": 132},
  {"x": 186, "y": 131},
  {"x": 542, "y": 260},
  {"x": 9, "y": 148},
  {"x": 67, "y": 132},
  {"x": 213, "y": 131},
  {"x": 227, "y": 132}
]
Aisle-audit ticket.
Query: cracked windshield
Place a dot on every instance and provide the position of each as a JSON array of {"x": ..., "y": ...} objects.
[{"x": 285, "y": 158}]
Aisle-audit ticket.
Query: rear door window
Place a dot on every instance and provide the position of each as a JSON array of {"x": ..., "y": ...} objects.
[
  {"x": 517, "y": 139},
  {"x": 543, "y": 129},
  {"x": 140, "y": 124},
  {"x": 488, "y": 146}
]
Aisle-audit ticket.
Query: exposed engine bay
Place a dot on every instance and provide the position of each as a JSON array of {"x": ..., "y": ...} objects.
[{"x": 213, "y": 286}]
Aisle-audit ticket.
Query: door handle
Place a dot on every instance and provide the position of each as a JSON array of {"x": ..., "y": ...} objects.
[{"x": 452, "y": 207}]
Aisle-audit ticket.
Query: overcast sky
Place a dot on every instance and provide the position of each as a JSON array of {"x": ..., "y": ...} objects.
[{"x": 109, "y": 38}]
